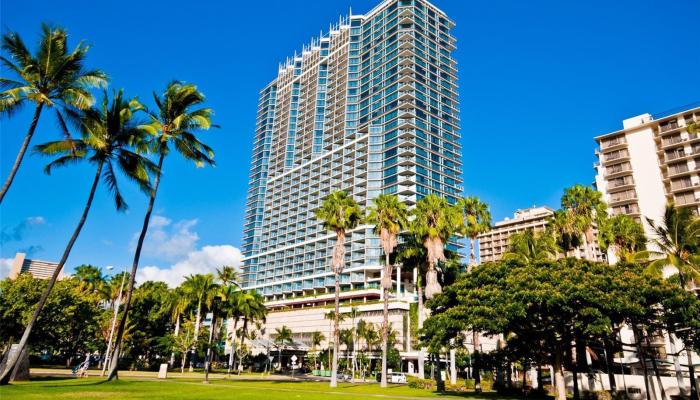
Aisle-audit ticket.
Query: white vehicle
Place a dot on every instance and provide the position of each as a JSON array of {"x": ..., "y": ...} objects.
[{"x": 397, "y": 377}]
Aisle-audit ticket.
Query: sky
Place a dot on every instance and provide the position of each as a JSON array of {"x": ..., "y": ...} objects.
[{"x": 537, "y": 81}]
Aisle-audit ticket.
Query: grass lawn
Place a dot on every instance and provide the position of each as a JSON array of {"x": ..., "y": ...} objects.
[{"x": 191, "y": 388}]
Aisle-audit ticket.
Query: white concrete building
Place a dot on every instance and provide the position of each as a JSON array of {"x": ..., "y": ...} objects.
[{"x": 37, "y": 268}]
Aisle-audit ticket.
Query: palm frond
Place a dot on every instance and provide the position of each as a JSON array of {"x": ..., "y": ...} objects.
[
  {"x": 63, "y": 161},
  {"x": 110, "y": 179}
]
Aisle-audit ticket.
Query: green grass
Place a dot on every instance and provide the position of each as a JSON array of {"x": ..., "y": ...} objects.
[{"x": 190, "y": 388}]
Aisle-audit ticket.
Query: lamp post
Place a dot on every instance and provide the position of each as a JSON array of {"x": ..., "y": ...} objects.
[{"x": 114, "y": 322}]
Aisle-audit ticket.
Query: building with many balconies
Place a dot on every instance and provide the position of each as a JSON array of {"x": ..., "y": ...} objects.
[{"x": 648, "y": 163}]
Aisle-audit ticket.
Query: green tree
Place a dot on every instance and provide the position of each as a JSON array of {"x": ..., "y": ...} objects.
[
  {"x": 108, "y": 132},
  {"x": 69, "y": 323},
  {"x": 624, "y": 235},
  {"x": 476, "y": 220},
  {"x": 283, "y": 336},
  {"x": 677, "y": 237},
  {"x": 184, "y": 342},
  {"x": 316, "y": 339},
  {"x": 177, "y": 302},
  {"x": 339, "y": 214},
  {"x": 228, "y": 275},
  {"x": 89, "y": 276},
  {"x": 562, "y": 226},
  {"x": 251, "y": 306},
  {"x": 434, "y": 223},
  {"x": 389, "y": 217},
  {"x": 529, "y": 246},
  {"x": 54, "y": 77},
  {"x": 201, "y": 290},
  {"x": 587, "y": 209},
  {"x": 173, "y": 124}
]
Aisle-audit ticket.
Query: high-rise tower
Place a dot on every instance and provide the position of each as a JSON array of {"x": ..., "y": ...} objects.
[{"x": 369, "y": 107}]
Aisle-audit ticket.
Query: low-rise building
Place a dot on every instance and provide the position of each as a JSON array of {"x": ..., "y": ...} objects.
[{"x": 39, "y": 269}]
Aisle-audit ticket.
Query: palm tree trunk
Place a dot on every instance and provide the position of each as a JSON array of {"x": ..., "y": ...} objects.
[
  {"x": 22, "y": 150},
  {"x": 132, "y": 278},
  {"x": 243, "y": 335},
  {"x": 656, "y": 371},
  {"x": 472, "y": 255},
  {"x": 232, "y": 354},
  {"x": 438, "y": 376},
  {"x": 12, "y": 360},
  {"x": 475, "y": 365},
  {"x": 197, "y": 322},
  {"x": 177, "y": 331},
  {"x": 207, "y": 360},
  {"x": 385, "y": 324},
  {"x": 336, "y": 330},
  {"x": 421, "y": 353}
]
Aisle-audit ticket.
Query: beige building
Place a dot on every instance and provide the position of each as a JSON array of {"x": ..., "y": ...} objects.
[
  {"x": 39, "y": 269},
  {"x": 648, "y": 163},
  {"x": 494, "y": 243}
]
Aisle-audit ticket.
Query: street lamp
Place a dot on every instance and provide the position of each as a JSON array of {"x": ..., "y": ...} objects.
[{"x": 114, "y": 322}]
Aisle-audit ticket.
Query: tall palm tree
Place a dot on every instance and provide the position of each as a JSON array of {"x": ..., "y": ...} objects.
[
  {"x": 677, "y": 238},
  {"x": 529, "y": 246},
  {"x": 587, "y": 209},
  {"x": 389, "y": 217},
  {"x": 177, "y": 303},
  {"x": 53, "y": 77},
  {"x": 231, "y": 296},
  {"x": 435, "y": 222},
  {"x": 339, "y": 214},
  {"x": 201, "y": 289},
  {"x": 625, "y": 236},
  {"x": 172, "y": 125},
  {"x": 251, "y": 306},
  {"x": 283, "y": 336},
  {"x": 476, "y": 220},
  {"x": 108, "y": 133}
]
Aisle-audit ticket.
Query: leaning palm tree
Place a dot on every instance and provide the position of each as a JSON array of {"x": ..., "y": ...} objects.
[
  {"x": 389, "y": 217},
  {"x": 173, "y": 126},
  {"x": 54, "y": 77},
  {"x": 476, "y": 220},
  {"x": 624, "y": 236},
  {"x": 201, "y": 289},
  {"x": 107, "y": 135},
  {"x": 339, "y": 214},
  {"x": 283, "y": 336},
  {"x": 587, "y": 209},
  {"x": 676, "y": 239}
]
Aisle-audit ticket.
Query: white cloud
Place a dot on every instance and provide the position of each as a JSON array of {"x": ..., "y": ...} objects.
[
  {"x": 5, "y": 267},
  {"x": 207, "y": 259},
  {"x": 168, "y": 241}
]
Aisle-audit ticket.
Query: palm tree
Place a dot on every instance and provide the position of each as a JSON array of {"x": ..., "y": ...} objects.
[
  {"x": 677, "y": 237},
  {"x": 316, "y": 339},
  {"x": 353, "y": 315},
  {"x": 172, "y": 125},
  {"x": 435, "y": 222},
  {"x": 586, "y": 208},
  {"x": 231, "y": 296},
  {"x": 177, "y": 303},
  {"x": 251, "y": 306},
  {"x": 89, "y": 276},
  {"x": 53, "y": 77},
  {"x": 563, "y": 228},
  {"x": 283, "y": 336},
  {"x": 626, "y": 237},
  {"x": 529, "y": 246},
  {"x": 201, "y": 289},
  {"x": 228, "y": 275},
  {"x": 339, "y": 214},
  {"x": 107, "y": 135},
  {"x": 389, "y": 217},
  {"x": 476, "y": 220}
]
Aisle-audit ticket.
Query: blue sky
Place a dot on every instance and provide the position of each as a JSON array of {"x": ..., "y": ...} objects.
[{"x": 538, "y": 80}]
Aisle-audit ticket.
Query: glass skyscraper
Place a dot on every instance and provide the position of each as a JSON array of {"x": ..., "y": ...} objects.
[{"x": 369, "y": 107}]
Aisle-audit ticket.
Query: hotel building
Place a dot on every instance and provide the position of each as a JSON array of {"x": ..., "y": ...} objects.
[
  {"x": 37, "y": 268},
  {"x": 648, "y": 163},
  {"x": 369, "y": 107},
  {"x": 494, "y": 243}
]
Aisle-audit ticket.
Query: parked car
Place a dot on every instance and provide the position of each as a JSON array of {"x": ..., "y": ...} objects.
[{"x": 393, "y": 377}]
